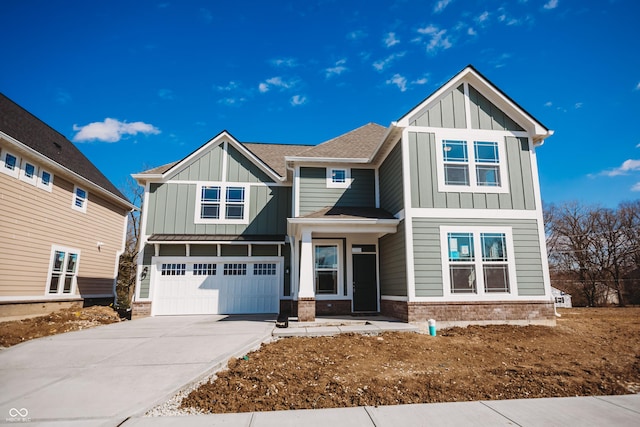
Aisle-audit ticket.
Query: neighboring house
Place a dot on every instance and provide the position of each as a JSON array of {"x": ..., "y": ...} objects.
[
  {"x": 561, "y": 298},
  {"x": 63, "y": 223},
  {"x": 437, "y": 216}
]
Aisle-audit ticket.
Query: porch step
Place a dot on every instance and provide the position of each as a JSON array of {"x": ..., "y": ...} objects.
[{"x": 328, "y": 326}]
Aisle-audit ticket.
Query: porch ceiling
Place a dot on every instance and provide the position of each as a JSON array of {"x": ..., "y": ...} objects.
[{"x": 344, "y": 220}]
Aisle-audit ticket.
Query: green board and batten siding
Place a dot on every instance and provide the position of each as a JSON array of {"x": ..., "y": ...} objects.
[
  {"x": 390, "y": 178},
  {"x": 424, "y": 178},
  {"x": 428, "y": 262},
  {"x": 314, "y": 194}
]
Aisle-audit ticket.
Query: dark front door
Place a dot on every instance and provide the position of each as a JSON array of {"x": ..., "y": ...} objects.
[{"x": 365, "y": 287}]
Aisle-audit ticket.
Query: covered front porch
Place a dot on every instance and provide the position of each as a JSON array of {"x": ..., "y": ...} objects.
[{"x": 335, "y": 262}]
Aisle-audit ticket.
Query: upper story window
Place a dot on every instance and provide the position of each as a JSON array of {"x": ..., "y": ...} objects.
[
  {"x": 338, "y": 178},
  {"x": 28, "y": 173},
  {"x": 478, "y": 261},
  {"x": 472, "y": 165},
  {"x": 79, "y": 199},
  {"x": 219, "y": 203},
  {"x": 10, "y": 164},
  {"x": 45, "y": 180}
]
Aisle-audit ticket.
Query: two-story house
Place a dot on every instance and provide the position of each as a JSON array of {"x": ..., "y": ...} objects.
[
  {"x": 62, "y": 222},
  {"x": 438, "y": 215}
]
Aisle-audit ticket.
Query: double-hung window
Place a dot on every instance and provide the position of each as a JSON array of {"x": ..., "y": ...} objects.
[
  {"x": 79, "y": 199},
  {"x": 478, "y": 262},
  {"x": 64, "y": 270},
  {"x": 474, "y": 163},
  {"x": 220, "y": 203},
  {"x": 326, "y": 258}
]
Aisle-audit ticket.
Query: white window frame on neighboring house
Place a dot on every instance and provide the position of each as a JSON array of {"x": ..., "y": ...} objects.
[
  {"x": 62, "y": 271},
  {"x": 338, "y": 268},
  {"x": 78, "y": 202},
  {"x": 225, "y": 203},
  {"x": 47, "y": 186},
  {"x": 472, "y": 143},
  {"x": 11, "y": 170},
  {"x": 475, "y": 257},
  {"x": 338, "y": 177},
  {"x": 29, "y": 172}
]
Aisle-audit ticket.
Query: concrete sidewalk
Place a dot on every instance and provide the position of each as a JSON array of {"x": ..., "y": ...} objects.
[
  {"x": 569, "y": 411},
  {"x": 334, "y": 325},
  {"x": 104, "y": 375}
]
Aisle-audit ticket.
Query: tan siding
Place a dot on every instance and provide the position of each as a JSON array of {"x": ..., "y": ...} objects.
[{"x": 34, "y": 219}]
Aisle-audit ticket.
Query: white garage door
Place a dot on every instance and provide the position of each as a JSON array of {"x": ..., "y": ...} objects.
[{"x": 223, "y": 286}]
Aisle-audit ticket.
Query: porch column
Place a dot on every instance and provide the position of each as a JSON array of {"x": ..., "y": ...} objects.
[{"x": 306, "y": 293}]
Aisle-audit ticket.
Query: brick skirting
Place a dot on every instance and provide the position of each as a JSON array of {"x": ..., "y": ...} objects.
[
  {"x": 306, "y": 309},
  {"x": 448, "y": 314},
  {"x": 322, "y": 307},
  {"x": 140, "y": 309}
]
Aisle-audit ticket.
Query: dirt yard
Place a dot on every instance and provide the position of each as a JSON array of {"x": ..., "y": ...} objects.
[
  {"x": 17, "y": 331},
  {"x": 589, "y": 352}
]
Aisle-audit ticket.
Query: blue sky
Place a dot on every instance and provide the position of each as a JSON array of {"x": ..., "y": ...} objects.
[{"x": 137, "y": 84}]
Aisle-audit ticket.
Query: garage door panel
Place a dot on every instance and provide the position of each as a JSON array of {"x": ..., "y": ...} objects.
[{"x": 220, "y": 293}]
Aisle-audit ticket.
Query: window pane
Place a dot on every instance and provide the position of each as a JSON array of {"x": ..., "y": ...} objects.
[
  {"x": 53, "y": 284},
  {"x": 210, "y": 194},
  {"x": 456, "y": 175},
  {"x": 81, "y": 193},
  {"x": 46, "y": 178},
  {"x": 455, "y": 151},
  {"x": 496, "y": 278},
  {"x": 486, "y": 152},
  {"x": 326, "y": 256},
  {"x": 29, "y": 170},
  {"x": 235, "y": 194},
  {"x": 58, "y": 261},
  {"x": 338, "y": 175},
  {"x": 463, "y": 279},
  {"x": 494, "y": 247},
  {"x": 326, "y": 282},
  {"x": 488, "y": 175},
  {"x": 71, "y": 263},
  {"x": 235, "y": 211},
  {"x": 10, "y": 161},
  {"x": 68, "y": 279},
  {"x": 210, "y": 211},
  {"x": 460, "y": 247}
]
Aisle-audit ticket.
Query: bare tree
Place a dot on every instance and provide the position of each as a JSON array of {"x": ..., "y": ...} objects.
[{"x": 128, "y": 260}]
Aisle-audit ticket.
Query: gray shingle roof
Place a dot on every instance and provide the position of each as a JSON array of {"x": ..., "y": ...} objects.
[
  {"x": 20, "y": 124},
  {"x": 359, "y": 143}
]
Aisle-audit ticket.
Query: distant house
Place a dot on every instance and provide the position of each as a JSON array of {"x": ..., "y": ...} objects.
[
  {"x": 63, "y": 223},
  {"x": 561, "y": 298},
  {"x": 438, "y": 215}
]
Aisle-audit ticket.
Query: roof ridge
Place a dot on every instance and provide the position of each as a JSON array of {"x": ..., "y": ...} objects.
[{"x": 340, "y": 136}]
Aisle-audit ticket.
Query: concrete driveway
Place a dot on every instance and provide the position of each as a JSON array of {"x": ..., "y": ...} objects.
[{"x": 101, "y": 376}]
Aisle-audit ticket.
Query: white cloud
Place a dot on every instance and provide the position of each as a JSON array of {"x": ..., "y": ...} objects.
[
  {"x": 298, "y": 100},
  {"x": 472, "y": 32},
  {"x": 62, "y": 97},
  {"x": 441, "y": 5},
  {"x": 276, "y": 82},
  {"x": 284, "y": 62},
  {"x": 399, "y": 81},
  {"x": 111, "y": 130},
  {"x": 384, "y": 63},
  {"x": 484, "y": 16},
  {"x": 637, "y": 86},
  {"x": 391, "y": 40},
  {"x": 421, "y": 81},
  {"x": 165, "y": 94},
  {"x": 627, "y": 166},
  {"x": 232, "y": 85},
  {"x": 231, "y": 101},
  {"x": 356, "y": 35},
  {"x": 548, "y": 104},
  {"x": 336, "y": 70},
  {"x": 551, "y": 4},
  {"x": 438, "y": 40},
  {"x": 578, "y": 105},
  {"x": 638, "y": 146},
  {"x": 636, "y": 187}
]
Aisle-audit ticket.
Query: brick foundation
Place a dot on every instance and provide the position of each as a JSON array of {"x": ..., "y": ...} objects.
[
  {"x": 23, "y": 309},
  {"x": 140, "y": 309},
  {"x": 322, "y": 308},
  {"x": 306, "y": 309},
  {"x": 448, "y": 314}
]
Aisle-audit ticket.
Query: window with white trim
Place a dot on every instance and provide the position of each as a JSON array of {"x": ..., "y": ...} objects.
[
  {"x": 478, "y": 262},
  {"x": 204, "y": 269},
  {"x": 326, "y": 268},
  {"x": 80, "y": 197},
  {"x": 471, "y": 163},
  {"x": 63, "y": 271},
  {"x": 45, "y": 180},
  {"x": 264, "y": 269},
  {"x": 338, "y": 177},
  {"x": 10, "y": 164},
  {"x": 28, "y": 173},
  {"x": 235, "y": 269},
  {"x": 221, "y": 203}
]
